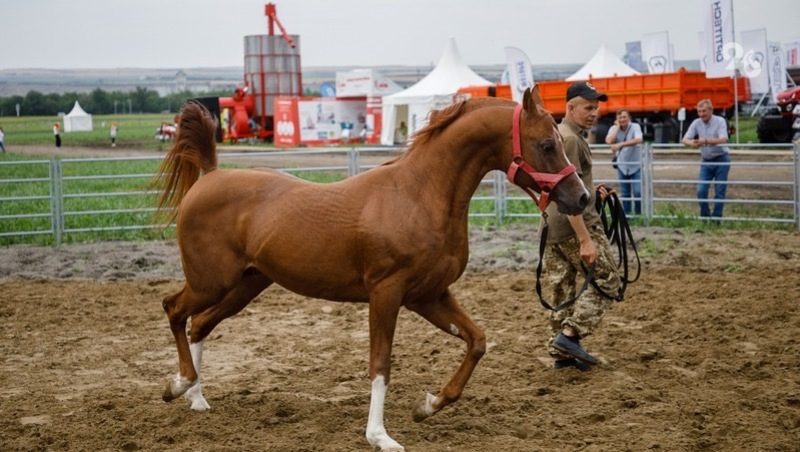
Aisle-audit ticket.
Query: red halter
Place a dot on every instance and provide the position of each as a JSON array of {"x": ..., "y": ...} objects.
[{"x": 546, "y": 181}]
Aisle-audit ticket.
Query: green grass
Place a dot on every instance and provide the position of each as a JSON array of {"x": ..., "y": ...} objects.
[
  {"x": 74, "y": 206},
  {"x": 747, "y": 130},
  {"x": 135, "y": 131}
]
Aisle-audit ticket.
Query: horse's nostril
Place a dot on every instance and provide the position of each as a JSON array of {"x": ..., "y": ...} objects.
[{"x": 584, "y": 201}]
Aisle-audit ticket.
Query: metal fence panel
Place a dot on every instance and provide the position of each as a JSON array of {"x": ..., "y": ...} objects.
[{"x": 665, "y": 184}]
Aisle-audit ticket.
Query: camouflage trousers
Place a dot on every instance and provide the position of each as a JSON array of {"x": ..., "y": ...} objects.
[{"x": 560, "y": 281}]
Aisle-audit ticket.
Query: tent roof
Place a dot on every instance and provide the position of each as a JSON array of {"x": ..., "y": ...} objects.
[
  {"x": 446, "y": 78},
  {"x": 77, "y": 110},
  {"x": 603, "y": 64}
]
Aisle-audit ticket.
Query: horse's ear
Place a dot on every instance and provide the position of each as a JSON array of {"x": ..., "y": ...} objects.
[{"x": 531, "y": 100}]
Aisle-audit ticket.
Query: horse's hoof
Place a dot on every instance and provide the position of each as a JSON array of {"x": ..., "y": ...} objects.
[
  {"x": 176, "y": 387},
  {"x": 200, "y": 405},
  {"x": 195, "y": 396},
  {"x": 424, "y": 409},
  {"x": 167, "y": 396}
]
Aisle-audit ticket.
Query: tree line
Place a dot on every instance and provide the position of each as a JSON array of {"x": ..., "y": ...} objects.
[{"x": 98, "y": 102}]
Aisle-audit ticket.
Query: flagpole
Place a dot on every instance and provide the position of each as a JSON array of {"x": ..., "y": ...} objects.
[
  {"x": 736, "y": 101},
  {"x": 735, "y": 79}
]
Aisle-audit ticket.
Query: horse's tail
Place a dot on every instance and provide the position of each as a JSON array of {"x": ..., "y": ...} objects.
[{"x": 194, "y": 151}]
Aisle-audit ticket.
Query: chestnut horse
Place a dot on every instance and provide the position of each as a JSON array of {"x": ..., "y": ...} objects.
[{"x": 392, "y": 236}]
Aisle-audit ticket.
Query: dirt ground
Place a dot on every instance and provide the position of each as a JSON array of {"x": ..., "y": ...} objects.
[{"x": 704, "y": 355}]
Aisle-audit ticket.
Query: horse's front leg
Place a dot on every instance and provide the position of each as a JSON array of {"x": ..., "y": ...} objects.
[
  {"x": 384, "y": 305},
  {"x": 448, "y": 315}
]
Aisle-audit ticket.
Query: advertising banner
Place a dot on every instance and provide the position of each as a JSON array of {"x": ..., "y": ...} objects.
[
  {"x": 656, "y": 53},
  {"x": 520, "y": 74},
  {"x": 719, "y": 40},
  {"x": 329, "y": 120},
  {"x": 754, "y": 60},
  {"x": 287, "y": 130},
  {"x": 776, "y": 59},
  {"x": 633, "y": 56}
]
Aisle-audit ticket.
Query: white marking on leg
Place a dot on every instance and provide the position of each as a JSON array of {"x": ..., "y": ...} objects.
[
  {"x": 195, "y": 393},
  {"x": 179, "y": 385},
  {"x": 427, "y": 405},
  {"x": 453, "y": 329},
  {"x": 376, "y": 432}
]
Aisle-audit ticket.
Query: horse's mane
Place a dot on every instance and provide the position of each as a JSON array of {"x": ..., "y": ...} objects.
[{"x": 438, "y": 121}]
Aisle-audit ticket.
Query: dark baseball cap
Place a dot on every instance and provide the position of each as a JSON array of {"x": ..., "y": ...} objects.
[{"x": 586, "y": 91}]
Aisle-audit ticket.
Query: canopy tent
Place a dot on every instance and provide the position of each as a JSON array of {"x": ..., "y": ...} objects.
[
  {"x": 603, "y": 64},
  {"x": 77, "y": 120},
  {"x": 434, "y": 91}
]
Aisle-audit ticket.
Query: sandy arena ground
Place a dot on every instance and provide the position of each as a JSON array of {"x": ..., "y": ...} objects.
[{"x": 704, "y": 355}]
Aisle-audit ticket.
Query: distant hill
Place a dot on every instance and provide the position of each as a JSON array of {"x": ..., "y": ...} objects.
[{"x": 205, "y": 79}]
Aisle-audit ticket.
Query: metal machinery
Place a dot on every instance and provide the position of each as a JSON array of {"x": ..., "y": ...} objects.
[
  {"x": 271, "y": 69},
  {"x": 783, "y": 124}
]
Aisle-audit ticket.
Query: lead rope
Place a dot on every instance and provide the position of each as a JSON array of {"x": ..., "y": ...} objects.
[
  {"x": 588, "y": 272},
  {"x": 618, "y": 232}
]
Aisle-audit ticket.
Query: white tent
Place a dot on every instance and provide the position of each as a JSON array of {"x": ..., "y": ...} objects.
[
  {"x": 603, "y": 64},
  {"x": 77, "y": 120},
  {"x": 434, "y": 91}
]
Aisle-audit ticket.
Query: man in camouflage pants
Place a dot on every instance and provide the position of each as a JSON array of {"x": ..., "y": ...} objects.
[{"x": 575, "y": 239}]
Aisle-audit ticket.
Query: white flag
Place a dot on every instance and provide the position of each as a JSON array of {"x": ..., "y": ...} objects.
[
  {"x": 754, "y": 60},
  {"x": 655, "y": 52},
  {"x": 792, "y": 53},
  {"x": 520, "y": 75},
  {"x": 719, "y": 45},
  {"x": 777, "y": 69}
]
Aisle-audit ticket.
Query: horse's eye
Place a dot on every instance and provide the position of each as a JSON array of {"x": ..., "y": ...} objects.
[{"x": 548, "y": 145}]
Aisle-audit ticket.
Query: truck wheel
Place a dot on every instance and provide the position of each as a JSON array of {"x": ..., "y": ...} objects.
[{"x": 772, "y": 129}]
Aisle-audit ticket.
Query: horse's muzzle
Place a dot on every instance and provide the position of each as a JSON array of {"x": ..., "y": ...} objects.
[{"x": 571, "y": 205}]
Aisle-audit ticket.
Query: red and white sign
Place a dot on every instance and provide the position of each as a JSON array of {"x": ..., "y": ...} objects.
[
  {"x": 287, "y": 130},
  {"x": 316, "y": 121}
]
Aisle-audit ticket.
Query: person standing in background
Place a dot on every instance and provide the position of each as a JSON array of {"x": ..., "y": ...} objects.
[
  {"x": 709, "y": 132},
  {"x": 113, "y": 133},
  {"x": 625, "y": 138},
  {"x": 2, "y": 140},
  {"x": 57, "y": 134}
]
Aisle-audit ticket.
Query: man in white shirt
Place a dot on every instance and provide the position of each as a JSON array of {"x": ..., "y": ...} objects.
[{"x": 710, "y": 133}]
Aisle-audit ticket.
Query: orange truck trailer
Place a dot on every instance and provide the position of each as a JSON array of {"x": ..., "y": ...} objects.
[{"x": 654, "y": 100}]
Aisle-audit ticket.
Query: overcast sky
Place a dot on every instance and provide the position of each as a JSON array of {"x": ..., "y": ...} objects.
[{"x": 193, "y": 33}]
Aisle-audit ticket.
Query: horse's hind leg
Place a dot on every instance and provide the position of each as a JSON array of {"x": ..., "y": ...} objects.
[
  {"x": 203, "y": 323},
  {"x": 449, "y": 316},
  {"x": 178, "y": 308}
]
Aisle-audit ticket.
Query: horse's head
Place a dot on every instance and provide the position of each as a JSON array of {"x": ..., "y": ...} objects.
[{"x": 540, "y": 157}]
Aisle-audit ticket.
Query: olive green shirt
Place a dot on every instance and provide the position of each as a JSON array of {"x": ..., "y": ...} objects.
[{"x": 579, "y": 154}]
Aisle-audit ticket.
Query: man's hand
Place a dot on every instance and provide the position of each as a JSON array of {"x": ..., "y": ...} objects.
[
  {"x": 588, "y": 251},
  {"x": 694, "y": 143},
  {"x": 604, "y": 191},
  {"x": 616, "y": 147}
]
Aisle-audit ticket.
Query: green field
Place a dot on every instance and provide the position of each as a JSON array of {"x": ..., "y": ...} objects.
[{"x": 135, "y": 131}]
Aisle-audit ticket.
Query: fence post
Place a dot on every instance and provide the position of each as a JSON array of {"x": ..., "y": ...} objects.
[
  {"x": 499, "y": 196},
  {"x": 56, "y": 200},
  {"x": 353, "y": 164},
  {"x": 796, "y": 149}
]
